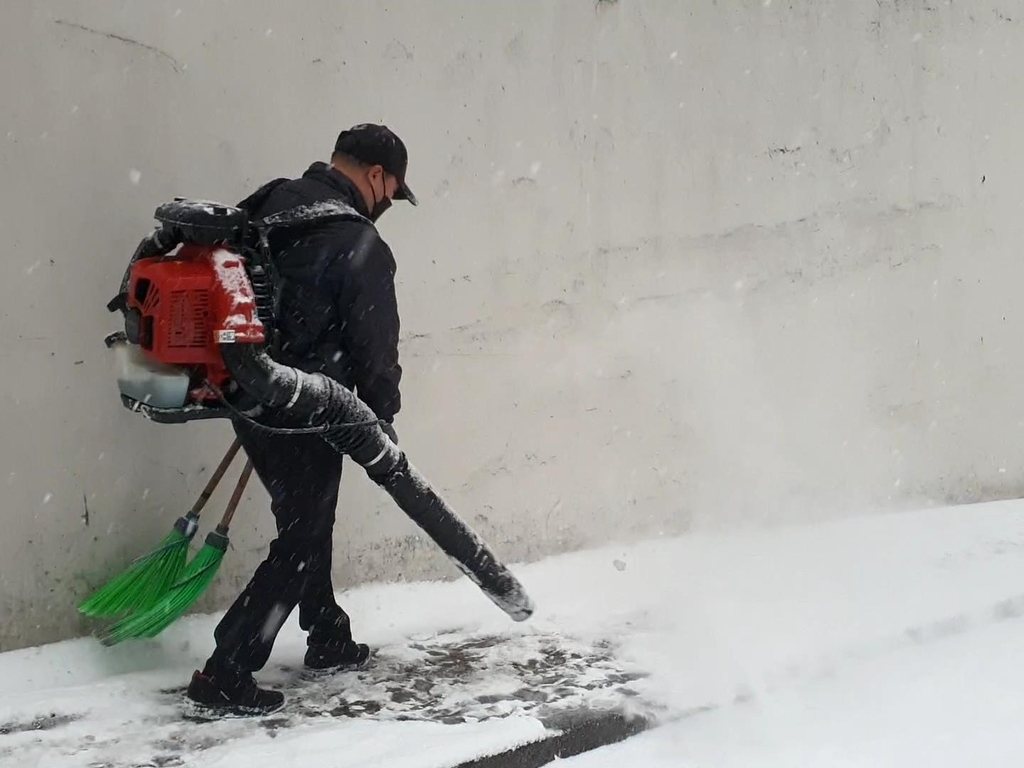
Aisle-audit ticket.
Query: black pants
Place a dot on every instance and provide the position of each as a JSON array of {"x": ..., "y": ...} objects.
[{"x": 302, "y": 474}]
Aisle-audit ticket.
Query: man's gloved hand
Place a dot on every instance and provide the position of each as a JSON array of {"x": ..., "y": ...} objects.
[{"x": 389, "y": 430}]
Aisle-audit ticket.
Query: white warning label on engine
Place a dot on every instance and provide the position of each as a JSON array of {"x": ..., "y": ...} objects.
[{"x": 225, "y": 336}]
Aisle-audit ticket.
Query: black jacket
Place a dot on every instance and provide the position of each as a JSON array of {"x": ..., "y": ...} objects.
[{"x": 338, "y": 311}]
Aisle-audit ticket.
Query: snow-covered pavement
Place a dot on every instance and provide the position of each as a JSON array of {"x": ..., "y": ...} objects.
[
  {"x": 883, "y": 640},
  {"x": 954, "y": 702}
]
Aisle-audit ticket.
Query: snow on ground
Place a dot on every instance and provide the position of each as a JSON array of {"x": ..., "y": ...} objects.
[
  {"x": 883, "y": 640},
  {"x": 955, "y": 702}
]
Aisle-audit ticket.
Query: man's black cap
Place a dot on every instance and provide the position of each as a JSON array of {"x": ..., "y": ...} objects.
[{"x": 378, "y": 145}]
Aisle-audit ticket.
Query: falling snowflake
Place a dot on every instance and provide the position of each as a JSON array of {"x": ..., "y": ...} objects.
[{"x": 275, "y": 618}]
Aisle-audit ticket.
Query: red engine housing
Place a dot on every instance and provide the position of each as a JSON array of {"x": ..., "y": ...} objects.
[{"x": 189, "y": 304}]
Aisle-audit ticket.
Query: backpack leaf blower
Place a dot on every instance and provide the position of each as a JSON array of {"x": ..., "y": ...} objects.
[{"x": 199, "y": 299}]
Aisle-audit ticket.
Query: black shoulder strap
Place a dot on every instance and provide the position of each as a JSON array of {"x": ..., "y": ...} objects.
[{"x": 310, "y": 214}]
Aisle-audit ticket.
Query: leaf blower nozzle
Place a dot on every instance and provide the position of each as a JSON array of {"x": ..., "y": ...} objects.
[{"x": 353, "y": 429}]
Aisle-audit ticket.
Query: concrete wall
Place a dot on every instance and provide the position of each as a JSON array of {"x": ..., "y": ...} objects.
[{"x": 676, "y": 265}]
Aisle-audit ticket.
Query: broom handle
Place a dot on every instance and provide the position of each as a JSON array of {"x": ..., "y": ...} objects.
[
  {"x": 215, "y": 478},
  {"x": 236, "y": 496}
]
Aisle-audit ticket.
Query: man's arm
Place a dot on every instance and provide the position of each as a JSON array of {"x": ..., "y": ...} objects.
[{"x": 370, "y": 331}]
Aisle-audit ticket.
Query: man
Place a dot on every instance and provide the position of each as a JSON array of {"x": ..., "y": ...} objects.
[{"x": 338, "y": 315}]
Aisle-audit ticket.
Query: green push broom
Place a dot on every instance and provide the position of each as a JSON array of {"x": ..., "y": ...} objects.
[
  {"x": 184, "y": 592},
  {"x": 150, "y": 576}
]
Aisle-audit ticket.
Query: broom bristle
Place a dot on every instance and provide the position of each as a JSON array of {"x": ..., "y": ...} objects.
[
  {"x": 194, "y": 580},
  {"x": 144, "y": 583}
]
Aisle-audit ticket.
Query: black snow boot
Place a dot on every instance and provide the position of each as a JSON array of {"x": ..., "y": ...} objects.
[
  {"x": 221, "y": 692},
  {"x": 335, "y": 655}
]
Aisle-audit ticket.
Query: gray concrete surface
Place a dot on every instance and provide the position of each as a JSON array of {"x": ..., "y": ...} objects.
[{"x": 675, "y": 267}]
